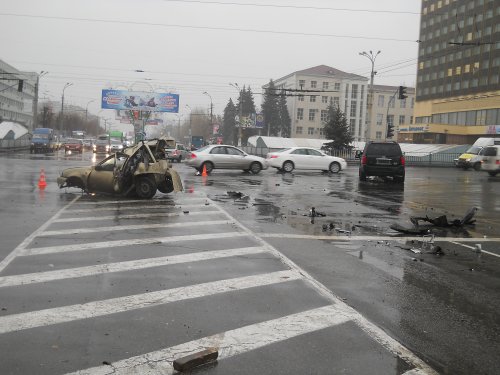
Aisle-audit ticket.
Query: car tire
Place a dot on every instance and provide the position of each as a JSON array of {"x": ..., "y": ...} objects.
[
  {"x": 208, "y": 166},
  {"x": 145, "y": 188},
  {"x": 180, "y": 159},
  {"x": 477, "y": 166},
  {"x": 288, "y": 166},
  {"x": 492, "y": 174},
  {"x": 362, "y": 175},
  {"x": 255, "y": 167},
  {"x": 399, "y": 179},
  {"x": 334, "y": 167}
]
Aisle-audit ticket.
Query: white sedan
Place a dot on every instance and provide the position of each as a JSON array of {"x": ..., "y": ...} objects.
[{"x": 292, "y": 158}]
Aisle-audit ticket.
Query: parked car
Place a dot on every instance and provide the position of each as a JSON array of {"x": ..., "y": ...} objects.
[
  {"x": 491, "y": 160},
  {"x": 383, "y": 159},
  {"x": 73, "y": 145},
  {"x": 178, "y": 153},
  {"x": 288, "y": 159},
  {"x": 225, "y": 157},
  {"x": 132, "y": 172},
  {"x": 88, "y": 144}
]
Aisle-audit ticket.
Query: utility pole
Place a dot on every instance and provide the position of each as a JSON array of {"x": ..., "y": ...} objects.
[
  {"x": 190, "y": 118},
  {"x": 211, "y": 113},
  {"x": 240, "y": 133}
]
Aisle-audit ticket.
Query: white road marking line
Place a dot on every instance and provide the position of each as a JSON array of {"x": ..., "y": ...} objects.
[
  {"x": 134, "y": 216},
  {"x": 42, "y": 318},
  {"x": 120, "y": 243},
  {"x": 229, "y": 343},
  {"x": 22, "y": 246},
  {"x": 371, "y": 329},
  {"x": 115, "y": 228},
  {"x": 133, "y": 265},
  {"x": 151, "y": 201},
  {"x": 137, "y": 208},
  {"x": 473, "y": 248},
  {"x": 372, "y": 238},
  {"x": 414, "y": 371}
]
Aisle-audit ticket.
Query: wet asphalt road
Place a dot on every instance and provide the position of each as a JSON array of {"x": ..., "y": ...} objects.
[{"x": 443, "y": 308}]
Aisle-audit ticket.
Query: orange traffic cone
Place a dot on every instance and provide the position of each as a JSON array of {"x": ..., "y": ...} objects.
[
  {"x": 204, "y": 172},
  {"x": 42, "y": 184}
]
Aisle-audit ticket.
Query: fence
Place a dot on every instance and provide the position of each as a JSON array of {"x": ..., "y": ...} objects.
[
  {"x": 422, "y": 159},
  {"x": 12, "y": 144}
]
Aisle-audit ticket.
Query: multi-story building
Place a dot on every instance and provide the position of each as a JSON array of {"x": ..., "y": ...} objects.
[
  {"x": 458, "y": 77},
  {"x": 14, "y": 105},
  {"x": 388, "y": 109},
  {"x": 315, "y": 88}
]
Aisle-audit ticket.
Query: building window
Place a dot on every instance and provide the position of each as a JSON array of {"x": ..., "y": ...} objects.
[
  {"x": 300, "y": 113},
  {"x": 324, "y": 99},
  {"x": 336, "y": 101},
  {"x": 353, "y": 108},
  {"x": 381, "y": 100},
  {"x": 378, "y": 135},
  {"x": 402, "y": 103},
  {"x": 337, "y": 86},
  {"x": 325, "y": 85},
  {"x": 302, "y": 83},
  {"x": 412, "y": 102},
  {"x": 392, "y": 100},
  {"x": 312, "y": 114},
  {"x": 354, "y": 93},
  {"x": 313, "y": 84},
  {"x": 312, "y": 98},
  {"x": 321, "y": 132},
  {"x": 324, "y": 115},
  {"x": 310, "y": 131},
  {"x": 411, "y": 120},
  {"x": 352, "y": 126},
  {"x": 298, "y": 130},
  {"x": 380, "y": 118},
  {"x": 402, "y": 119},
  {"x": 300, "y": 98}
]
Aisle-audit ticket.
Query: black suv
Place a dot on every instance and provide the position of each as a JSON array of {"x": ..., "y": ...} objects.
[{"x": 382, "y": 159}]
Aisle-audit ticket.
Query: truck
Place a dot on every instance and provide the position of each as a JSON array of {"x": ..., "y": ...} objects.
[
  {"x": 473, "y": 156},
  {"x": 43, "y": 140},
  {"x": 197, "y": 142},
  {"x": 116, "y": 135}
]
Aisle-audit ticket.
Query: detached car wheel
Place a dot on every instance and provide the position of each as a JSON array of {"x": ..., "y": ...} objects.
[
  {"x": 145, "y": 188},
  {"x": 166, "y": 186}
]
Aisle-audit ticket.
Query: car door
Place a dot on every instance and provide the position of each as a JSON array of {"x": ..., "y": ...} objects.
[
  {"x": 237, "y": 158},
  {"x": 219, "y": 157},
  {"x": 316, "y": 160},
  {"x": 101, "y": 178},
  {"x": 299, "y": 158}
]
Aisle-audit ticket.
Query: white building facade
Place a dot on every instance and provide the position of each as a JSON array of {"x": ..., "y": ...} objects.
[
  {"x": 309, "y": 93},
  {"x": 17, "y": 106},
  {"x": 387, "y": 108}
]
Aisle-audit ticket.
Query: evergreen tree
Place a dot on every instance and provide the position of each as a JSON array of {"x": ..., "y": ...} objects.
[
  {"x": 270, "y": 111},
  {"x": 336, "y": 128},
  {"x": 245, "y": 107},
  {"x": 229, "y": 130},
  {"x": 285, "y": 120}
]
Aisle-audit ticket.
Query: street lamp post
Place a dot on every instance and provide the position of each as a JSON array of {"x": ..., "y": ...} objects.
[
  {"x": 372, "y": 57},
  {"x": 190, "y": 118},
  {"x": 240, "y": 132},
  {"x": 35, "y": 101},
  {"x": 87, "y": 113},
  {"x": 211, "y": 130},
  {"x": 61, "y": 123},
  {"x": 179, "y": 126}
]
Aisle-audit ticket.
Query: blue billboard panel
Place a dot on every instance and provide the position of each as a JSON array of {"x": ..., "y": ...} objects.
[{"x": 140, "y": 101}]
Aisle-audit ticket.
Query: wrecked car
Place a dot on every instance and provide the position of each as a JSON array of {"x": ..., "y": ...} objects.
[{"x": 135, "y": 171}]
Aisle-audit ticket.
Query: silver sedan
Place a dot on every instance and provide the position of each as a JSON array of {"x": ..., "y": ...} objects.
[
  {"x": 225, "y": 157},
  {"x": 292, "y": 158}
]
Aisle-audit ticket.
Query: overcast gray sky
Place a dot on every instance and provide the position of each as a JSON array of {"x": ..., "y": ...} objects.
[{"x": 188, "y": 46}]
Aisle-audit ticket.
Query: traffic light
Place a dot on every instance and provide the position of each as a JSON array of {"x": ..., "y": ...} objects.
[
  {"x": 390, "y": 130},
  {"x": 402, "y": 92},
  {"x": 20, "y": 85}
]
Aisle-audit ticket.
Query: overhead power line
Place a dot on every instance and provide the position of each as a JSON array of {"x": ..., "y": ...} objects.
[
  {"x": 293, "y": 7},
  {"x": 97, "y": 20}
]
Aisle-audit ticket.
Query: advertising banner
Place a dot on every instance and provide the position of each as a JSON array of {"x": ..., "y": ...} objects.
[{"x": 140, "y": 101}]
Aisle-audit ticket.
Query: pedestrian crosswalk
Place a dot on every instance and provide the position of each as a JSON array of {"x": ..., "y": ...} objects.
[{"x": 158, "y": 266}]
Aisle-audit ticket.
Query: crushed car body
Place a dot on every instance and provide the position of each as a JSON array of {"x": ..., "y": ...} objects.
[{"x": 137, "y": 171}]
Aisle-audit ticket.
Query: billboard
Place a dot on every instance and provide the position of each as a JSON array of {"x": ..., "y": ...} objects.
[{"x": 140, "y": 101}]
